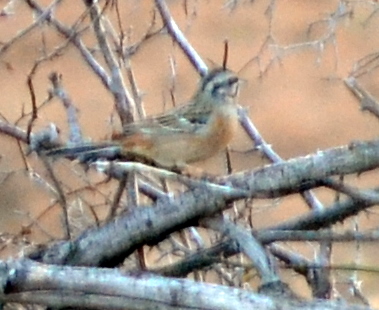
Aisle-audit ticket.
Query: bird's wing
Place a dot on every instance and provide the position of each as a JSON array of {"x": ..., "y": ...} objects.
[{"x": 188, "y": 118}]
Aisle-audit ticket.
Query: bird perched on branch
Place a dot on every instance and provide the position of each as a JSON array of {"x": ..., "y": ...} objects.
[{"x": 186, "y": 134}]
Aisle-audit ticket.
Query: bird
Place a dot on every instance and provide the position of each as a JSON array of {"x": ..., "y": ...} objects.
[{"x": 183, "y": 135}]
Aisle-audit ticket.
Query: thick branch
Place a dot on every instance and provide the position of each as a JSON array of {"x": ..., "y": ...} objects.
[
  {"x": 24, "y": 281},
  {"x": 110, "y": 244}
]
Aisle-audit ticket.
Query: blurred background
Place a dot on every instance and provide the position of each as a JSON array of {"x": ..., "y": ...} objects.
[{"x": 293, "y": 57}]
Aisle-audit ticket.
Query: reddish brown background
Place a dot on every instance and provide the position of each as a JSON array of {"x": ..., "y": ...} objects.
[{"x": 300, "y": 104}]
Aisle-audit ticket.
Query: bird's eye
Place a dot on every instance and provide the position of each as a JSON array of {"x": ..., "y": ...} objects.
[{"x": 226, "y": 87}]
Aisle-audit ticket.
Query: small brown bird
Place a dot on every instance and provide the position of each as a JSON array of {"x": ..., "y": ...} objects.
[{"x": 186, "y": 134}]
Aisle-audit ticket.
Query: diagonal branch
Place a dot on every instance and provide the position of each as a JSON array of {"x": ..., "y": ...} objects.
[{"x": 153, "y": 223}]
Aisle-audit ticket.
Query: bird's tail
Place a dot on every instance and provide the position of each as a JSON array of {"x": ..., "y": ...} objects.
[{"x": 86, "y": 151}]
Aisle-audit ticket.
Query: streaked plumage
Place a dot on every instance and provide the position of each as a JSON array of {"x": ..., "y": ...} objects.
[{"x": 186, "y": 134}]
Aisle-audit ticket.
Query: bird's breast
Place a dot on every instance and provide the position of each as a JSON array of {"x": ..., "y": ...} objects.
[{"x": 181, "y": 147}]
